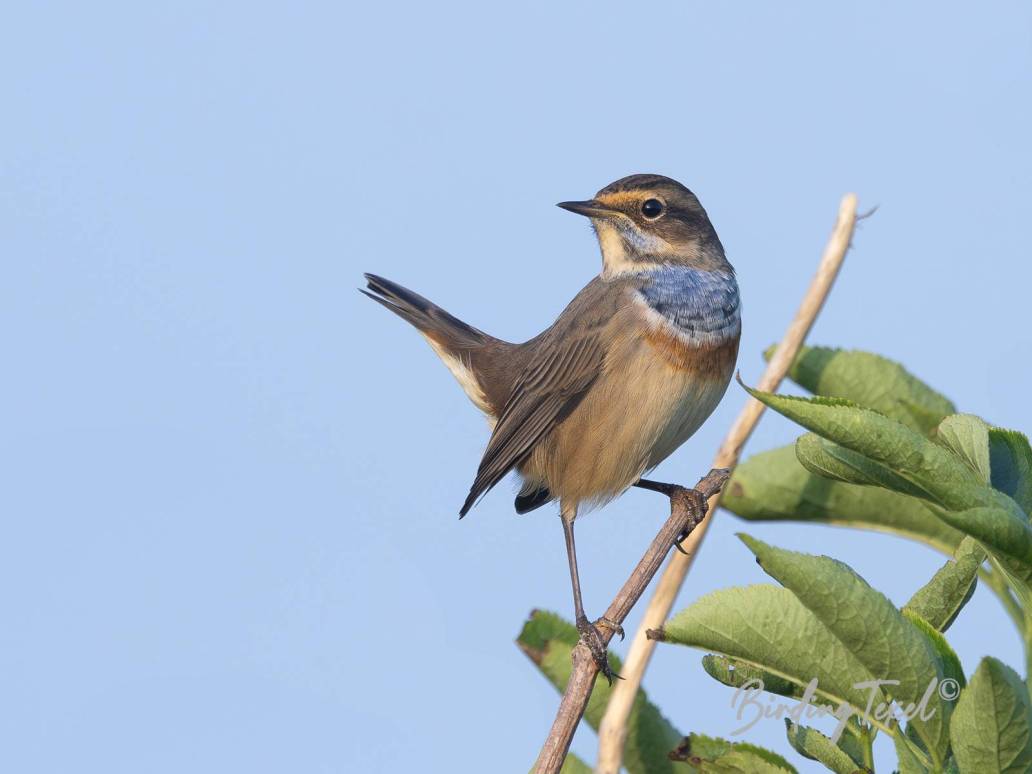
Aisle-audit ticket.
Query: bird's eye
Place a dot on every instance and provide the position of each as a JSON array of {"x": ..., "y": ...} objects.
[{"x": 652, "y": 208}]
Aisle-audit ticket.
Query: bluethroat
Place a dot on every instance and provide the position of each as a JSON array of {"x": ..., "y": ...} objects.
[{"x": 627, "y": 373}]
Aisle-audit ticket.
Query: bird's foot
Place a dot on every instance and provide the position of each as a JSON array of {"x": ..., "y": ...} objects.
[
  {"x": 697, "y": 507},
  {"x": 692, "y": 499},
  {"x": 613, "y": 626},
  {"x": 591, "y": 637}
]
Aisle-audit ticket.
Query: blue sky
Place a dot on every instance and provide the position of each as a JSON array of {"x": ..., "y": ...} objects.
[{"x": 231, "y": 482}]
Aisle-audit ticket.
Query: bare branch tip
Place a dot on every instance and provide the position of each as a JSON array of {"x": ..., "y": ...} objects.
[
  {"x": 718, "y": 474},
  {"x": 868, "y": 213},
  {"x": 656, "y": 634}
]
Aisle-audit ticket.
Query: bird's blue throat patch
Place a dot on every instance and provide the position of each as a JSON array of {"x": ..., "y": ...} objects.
[{"x": 701, "y": 304}]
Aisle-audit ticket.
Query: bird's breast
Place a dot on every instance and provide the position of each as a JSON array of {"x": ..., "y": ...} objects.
[{"x": 691, "y": 318}]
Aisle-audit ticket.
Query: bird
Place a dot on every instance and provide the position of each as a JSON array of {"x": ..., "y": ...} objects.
[{"x": 628, "y": 372}]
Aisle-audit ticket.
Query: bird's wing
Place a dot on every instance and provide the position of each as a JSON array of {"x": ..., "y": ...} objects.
[{"x": 554, "y": 382}]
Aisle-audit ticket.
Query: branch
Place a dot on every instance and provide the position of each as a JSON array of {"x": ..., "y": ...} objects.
[
  {"x": 612, "y": 731},
  {"x": 687, "y": 511}
]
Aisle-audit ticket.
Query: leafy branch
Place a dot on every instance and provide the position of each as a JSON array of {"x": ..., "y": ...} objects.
[{"x": 910, "y": 465}]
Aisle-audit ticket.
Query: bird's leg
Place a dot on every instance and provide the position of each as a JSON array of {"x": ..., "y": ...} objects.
[
  {"x": 589, "y": 633},
  {"x": 699, "y": 505},
  {"x": 656, "y": 486}
]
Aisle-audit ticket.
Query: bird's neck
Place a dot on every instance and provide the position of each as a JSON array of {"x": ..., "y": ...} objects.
[{"x": 630, "y": 252}]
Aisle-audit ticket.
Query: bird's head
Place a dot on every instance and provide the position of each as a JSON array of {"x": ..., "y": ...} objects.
[{"x": 645, "y": 221}]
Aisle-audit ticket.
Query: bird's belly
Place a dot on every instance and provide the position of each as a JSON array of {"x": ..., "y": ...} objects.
[
  {"x": 649, "y": 402},
  {"x": 705, "y": 372}
]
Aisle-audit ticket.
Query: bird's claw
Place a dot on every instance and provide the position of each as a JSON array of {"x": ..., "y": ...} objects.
[
  {"x": 591, "y": 637},
  {"x": 613, "y": 626},
  {"x": 699, "y": 507}
]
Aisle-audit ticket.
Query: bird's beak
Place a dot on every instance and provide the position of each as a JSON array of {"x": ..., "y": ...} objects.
[{"x": 591, "y": 209}]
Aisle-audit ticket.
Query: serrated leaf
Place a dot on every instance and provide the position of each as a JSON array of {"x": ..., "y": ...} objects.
[
  {"x": 853, "y": 742},
  {"x": 774, "y": 486},
  {"x": 768, "y": 628},
  {"x": 941, "y": 475},
  {"x": 870, "y": 380},
  {"x": 950, "y": 663},
  {"x": 991, "y": 726},
  {"x": 736, "y": 674},
  {"x": 812, "y": 744},
  {"x": 1010, "y": 459},
  {"x": 967, "y": 436},
  {"x": 867, "y": 623},
  {"x": 548, "y": 640},
  {"x": 710, "y": 754},
  {"x": 908, "y": 763},
  {"x": 1001, "y": 530},
  {"x": 941, "y": 599},
  {"x": 829, "y": 460}
]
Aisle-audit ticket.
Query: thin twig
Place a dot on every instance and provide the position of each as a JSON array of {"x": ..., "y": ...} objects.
[
  {"x": 687, "y": 510},
  {"x": 612, "y": 731}
]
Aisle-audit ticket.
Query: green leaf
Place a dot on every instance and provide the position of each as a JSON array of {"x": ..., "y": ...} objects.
[
  {"x": 948, "y": 660},
  {"x": 812, "y": 744},
  {"x": 967, "y": 436},
  {"x": 709, "y": 754},
  {"x": 908, "y": 763},
  {"x": 574, "y": 765},
  {"x": 941, "y": 599},
  {"x": 775, "y": 486},
  {"x": 548, "y": 641},
  {"x": 991, "y": 727},
  {"x": 828, "y": 459},
  {"x": 736, "y": 674},
  {"x": 1001, "y": 530},
  {"x": 870, "y": 380},
  {"x": 1010, "y": 459},
  {"x": 864, "y": 620},
  {"x": 854, "y": 741},
  {"x": 944, "y": 477},
  {"x": 768, "y": 628}
]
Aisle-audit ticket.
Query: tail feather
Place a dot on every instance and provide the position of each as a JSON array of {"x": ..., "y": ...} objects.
[
  {"x": 528, "y": 501},
  {"x": 425, "y": 315},
  {"x": 484, "y": 366}
]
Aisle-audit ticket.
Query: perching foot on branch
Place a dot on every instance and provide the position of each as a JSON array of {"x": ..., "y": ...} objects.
[
  {"x": 696, "y": 505},
  {"x": 612, "y": 625},
  {"x": 590, "y": 636}
]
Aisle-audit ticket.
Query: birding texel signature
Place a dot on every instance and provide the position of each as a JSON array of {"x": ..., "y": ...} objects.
[{"x": 747, "y": 702}]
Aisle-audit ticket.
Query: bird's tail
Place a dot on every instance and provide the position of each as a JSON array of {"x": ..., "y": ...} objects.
[
  {"x": 474, "y": 358},
  {"x": 432, "y": 321}
]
